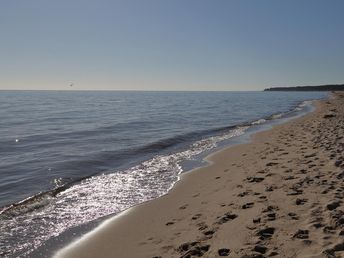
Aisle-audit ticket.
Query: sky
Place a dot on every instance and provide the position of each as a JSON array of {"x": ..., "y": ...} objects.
[{"x": 170, "y": 44}]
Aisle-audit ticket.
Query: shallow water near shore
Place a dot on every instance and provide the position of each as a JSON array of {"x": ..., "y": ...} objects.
[{"x": 92, "y": 154}]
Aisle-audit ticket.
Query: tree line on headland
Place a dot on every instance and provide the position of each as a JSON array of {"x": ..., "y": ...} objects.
[{"x": 329, "y": 87}]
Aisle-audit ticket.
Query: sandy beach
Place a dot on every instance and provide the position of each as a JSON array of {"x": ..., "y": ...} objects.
[{"x": 279, "y": 195}]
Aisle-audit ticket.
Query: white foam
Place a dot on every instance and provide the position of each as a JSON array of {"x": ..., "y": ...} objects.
[
  {"x": 260, "y": 121},
  {"x": 105, "y": 194}
]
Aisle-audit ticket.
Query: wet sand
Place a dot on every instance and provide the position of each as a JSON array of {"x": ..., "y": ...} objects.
[{"x": 279, "y": 195}]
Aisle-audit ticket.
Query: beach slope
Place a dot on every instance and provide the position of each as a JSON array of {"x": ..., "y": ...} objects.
[{"x": 279, "y": 195}]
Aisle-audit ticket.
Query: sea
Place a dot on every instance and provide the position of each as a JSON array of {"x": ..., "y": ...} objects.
[{"x": 68, "y": 158}]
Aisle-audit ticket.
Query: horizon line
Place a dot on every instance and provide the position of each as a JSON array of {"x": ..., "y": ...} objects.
[{"x": 69, "y": 90}]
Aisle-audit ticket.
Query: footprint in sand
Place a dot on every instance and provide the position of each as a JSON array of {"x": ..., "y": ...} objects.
[
  {"x": 293, "y": 216},
  {"x": 300, "y": 201},
  {"x": 197, "y": 216},
  {"x": 242, "y": 194},
  {"x": 255, "y": 179},
  {"x": 301, "y": 234},
  {"x": 260, "y": 249},
  {"x": 193, "y": 249},
  {"x": 266, "y": 233},
  {"x": 183, "y": 207},
  {"x": 331, "y": 252},
  {"x": 202, "y": 226},
  {"x": 333, "y": 205},
  {"x": 247, "y": 205},
  {"x": 270, "y": 188},
  {"x": 227, "y": 217},
  {"x": 223, "y": 252}
]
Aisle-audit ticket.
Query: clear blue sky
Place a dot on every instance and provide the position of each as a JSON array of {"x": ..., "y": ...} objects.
[{"x": 170, "y": 44}]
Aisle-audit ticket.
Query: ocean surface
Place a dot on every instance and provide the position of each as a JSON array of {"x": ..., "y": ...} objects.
[{"x": 68, "y": 158}]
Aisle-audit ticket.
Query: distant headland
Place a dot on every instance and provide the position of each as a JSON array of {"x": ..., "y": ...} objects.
[{"x": 329, "y": 87}]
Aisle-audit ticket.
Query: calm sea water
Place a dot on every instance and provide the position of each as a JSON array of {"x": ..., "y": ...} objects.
[{"x": 67, "y": 158}]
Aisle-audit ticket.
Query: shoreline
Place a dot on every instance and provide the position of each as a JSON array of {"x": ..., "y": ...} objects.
[
  {"x": 139, "y": 233},
  {"x": 74, "y": 234},
  {"x": 48, "y": 248},
  {"x": 255, "y": 126},
  {"x": 49, "y": 245}
]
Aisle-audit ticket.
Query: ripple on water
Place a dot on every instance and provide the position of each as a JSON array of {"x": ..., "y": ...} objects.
[{"x": 96, "y": 197}]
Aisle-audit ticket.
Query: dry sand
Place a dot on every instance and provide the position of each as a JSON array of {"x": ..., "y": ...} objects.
[{"x": 280, "y": 195}]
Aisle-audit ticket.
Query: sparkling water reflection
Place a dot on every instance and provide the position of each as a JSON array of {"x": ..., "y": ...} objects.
[{"x": 98, "y": 196}]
